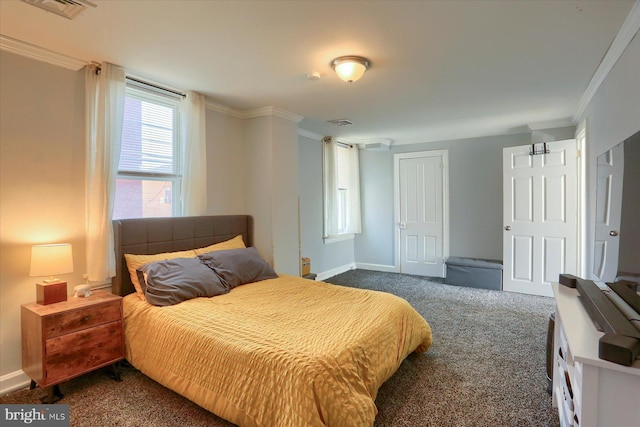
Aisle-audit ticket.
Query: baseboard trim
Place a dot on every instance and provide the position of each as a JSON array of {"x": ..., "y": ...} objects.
[
  {"x": 377, "y": 267},
  {"x": 13, "y": 381},
  {"x": 335, "y": 271}
]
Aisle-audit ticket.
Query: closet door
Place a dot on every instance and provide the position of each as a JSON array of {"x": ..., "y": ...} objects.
[{"x": 422, "y": 212}]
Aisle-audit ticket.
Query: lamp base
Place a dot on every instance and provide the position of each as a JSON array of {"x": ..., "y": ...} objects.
[{"x": 50, "y": 293}]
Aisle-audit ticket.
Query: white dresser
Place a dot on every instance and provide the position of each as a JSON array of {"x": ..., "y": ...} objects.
[{"x": 587, "y": 390}]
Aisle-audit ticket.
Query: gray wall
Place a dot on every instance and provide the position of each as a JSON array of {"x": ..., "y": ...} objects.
[
  {"x": 324, "y": 257},
  {"x": 612, "y": 116},
  {"x": 375, "y": 245},
  {"x": 475, "y": 196}
]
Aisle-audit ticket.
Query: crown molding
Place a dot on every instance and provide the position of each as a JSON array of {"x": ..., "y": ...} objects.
[
  {"x": 38, "y": 53},
  {"x": 272, "y": 111},
  {"x": 309, "y": 134},
  {"x": 257, "y": 112},
  {"x": 287, "y": 115},
  {"x": 223, "y": 109},
  {"x": 374, "y": 144},
  {"x": 254, "y": 113},
  {"x": 552, "y": 124},
  {"x": 623, "y": 38}
]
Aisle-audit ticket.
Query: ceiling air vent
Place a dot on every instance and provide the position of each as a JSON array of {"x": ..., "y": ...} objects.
[
  {"x": 377, "y": 144},
  {"x": 70, "y": 9},
  {"x": 340, "y": 122}
]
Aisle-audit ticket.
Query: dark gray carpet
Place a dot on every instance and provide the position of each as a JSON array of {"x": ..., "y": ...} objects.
[{"x": 486, "y": 367}]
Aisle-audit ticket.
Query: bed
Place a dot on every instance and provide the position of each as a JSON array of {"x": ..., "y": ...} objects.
[{"x": 283, "y": 351}]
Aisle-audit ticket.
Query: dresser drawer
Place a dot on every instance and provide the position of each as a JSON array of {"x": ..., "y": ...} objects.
[
  {"x": 66, "y": 322},
  {"x": 69, "y": 355}
]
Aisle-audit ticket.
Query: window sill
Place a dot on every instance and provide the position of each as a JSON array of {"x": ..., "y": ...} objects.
[{"x": 340, "y": 238}]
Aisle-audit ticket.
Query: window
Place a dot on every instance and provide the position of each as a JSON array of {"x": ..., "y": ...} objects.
[
  {"x": 149, "y": 176},
  {"x": 341, "y": 191}
]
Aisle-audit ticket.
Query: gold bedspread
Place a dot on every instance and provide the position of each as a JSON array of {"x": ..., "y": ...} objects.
[{"x": 281, "y": 352}]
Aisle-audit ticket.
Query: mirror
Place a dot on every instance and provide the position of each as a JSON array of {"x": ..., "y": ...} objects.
[{"x": 617, "y": 229}]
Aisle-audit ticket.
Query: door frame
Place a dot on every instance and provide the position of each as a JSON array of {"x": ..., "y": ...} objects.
[
  {"x": 581, "y": 137},
  {"x": 445, "y": 201}
]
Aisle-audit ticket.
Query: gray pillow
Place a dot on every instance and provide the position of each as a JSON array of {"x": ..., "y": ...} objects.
[
  {"x": 171, "y": 281},
  {"x": 236, "y": 267}
]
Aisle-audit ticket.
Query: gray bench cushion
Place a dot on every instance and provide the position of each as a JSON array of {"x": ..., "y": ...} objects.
[
  {"x": 475, "y": 262},
  {"x": 474, "y": 272}
]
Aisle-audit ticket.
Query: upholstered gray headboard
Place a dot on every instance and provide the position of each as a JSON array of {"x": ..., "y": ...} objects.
[{"x": 156, "y": 235}]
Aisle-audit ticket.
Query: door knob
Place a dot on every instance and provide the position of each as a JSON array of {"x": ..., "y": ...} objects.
[
  {"x": 403, "y": 225},
  {"x": 508, "y": 228},
  {"x": 613, "y": 233}
]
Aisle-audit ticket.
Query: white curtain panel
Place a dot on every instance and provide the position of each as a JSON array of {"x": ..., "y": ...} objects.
[
  {"x": 330, "y": 186},
  {"x": 341, "y": 170},
  {"x": 194, "y": 170},
  {"x": 104, "y": 112},
  {"x": 353, "y": 184}
]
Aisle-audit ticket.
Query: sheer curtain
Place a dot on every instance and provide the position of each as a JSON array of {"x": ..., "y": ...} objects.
[
  {"x": 341, "y": 189},
  {"x": 194, "y": 170},
  {"x": 351, "y": 175},
  {"x": 330, "y": 186},
  {"x": 104, "y": 111}
]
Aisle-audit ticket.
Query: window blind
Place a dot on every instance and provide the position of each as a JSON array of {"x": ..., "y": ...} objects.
[{"x": 151, "y": 133}]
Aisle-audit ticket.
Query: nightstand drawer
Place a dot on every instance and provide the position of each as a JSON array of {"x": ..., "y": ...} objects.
[
  {"x": 79, "y": 352},
  {"x": 69, "y": 321}
]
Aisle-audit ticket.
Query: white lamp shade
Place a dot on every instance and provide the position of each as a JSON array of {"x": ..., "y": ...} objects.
[
  {"x": 350, "y": 68},
  {"x": 49, "y": 260}
]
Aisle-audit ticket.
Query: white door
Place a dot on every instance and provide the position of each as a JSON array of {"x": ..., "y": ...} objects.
[
  {"x": 421, "y": 209},
  {"x": 608, "y": 213},
  {"x": 540, "y": 216}
]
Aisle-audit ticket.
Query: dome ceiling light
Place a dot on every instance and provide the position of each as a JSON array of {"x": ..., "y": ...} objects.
[{"x": 350, "y": 68}]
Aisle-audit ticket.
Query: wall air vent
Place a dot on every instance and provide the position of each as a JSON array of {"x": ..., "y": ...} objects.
[
  {"x": 69, "y": 9},
  {"x": 340, "y": 122}
]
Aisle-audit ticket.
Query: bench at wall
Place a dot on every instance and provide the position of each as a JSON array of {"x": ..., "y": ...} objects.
[{"x": 474, "y": 272}]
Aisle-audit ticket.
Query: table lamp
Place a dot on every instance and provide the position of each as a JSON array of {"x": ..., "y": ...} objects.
[{"x": 51, "y": 260}]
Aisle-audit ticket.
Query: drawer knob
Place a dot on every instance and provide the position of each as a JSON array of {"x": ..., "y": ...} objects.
[{"x": 87, "y": 317}]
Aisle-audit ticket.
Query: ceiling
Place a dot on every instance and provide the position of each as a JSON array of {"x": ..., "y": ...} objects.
[{"x": 439, "y": 70}]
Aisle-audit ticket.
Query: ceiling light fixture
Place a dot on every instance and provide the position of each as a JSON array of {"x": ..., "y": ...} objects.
[{"x": 350, "y": 68}]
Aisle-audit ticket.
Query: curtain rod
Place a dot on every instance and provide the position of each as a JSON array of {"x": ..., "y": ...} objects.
[
  {"x": 98, "y": 68},
  {"x": 342, "y": 144},
  {"x": 175, "y": 92}
]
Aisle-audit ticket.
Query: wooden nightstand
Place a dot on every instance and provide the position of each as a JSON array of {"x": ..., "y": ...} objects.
[{"x": 64, "y": 340}]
